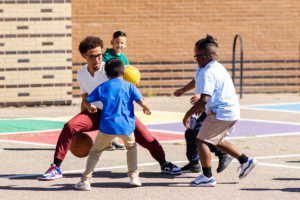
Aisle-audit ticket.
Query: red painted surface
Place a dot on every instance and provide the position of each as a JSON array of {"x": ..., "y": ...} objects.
[{"x": 52, "y": 136}]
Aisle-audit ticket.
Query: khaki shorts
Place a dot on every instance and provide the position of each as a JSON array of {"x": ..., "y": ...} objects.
[{"x": 213, "y": 130}]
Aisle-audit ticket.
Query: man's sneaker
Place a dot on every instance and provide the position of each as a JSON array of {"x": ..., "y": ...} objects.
[
  {"x": 83, "y": 185},
  {"x": 117, "y": 145},
  {"x": 224, "y": 161},
  {"x": 191, "y": 168},
  {"x": 112, "y": 148},
  {"x": 135, "y": 181},
  {"x": 170, "y": 168},
  {"x": 247, "y": 167},
  {"x": 203, "y": 181},
  {"x": 52, "y": 173}
]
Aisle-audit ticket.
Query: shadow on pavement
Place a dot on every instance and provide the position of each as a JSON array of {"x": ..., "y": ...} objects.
[
  {"x": 286, "y": 179},
  {"x": 28, "y": 149},
  {"x": 103, "y": 174},
  {"x": 269, "y": 189}
]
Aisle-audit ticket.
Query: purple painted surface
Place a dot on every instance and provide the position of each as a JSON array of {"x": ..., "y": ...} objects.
[{"x": 242, "y": 128}]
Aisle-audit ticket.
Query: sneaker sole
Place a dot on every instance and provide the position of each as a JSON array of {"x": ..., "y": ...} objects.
[
  {"x": 80, "y": 189},
  {"x": 173, "y": 173},
  {"x": 50, "y": 179},
  {"x": 251, "y": 167},
  {"x": 191, "y": 171},
  {"x": 204, "y": 185},
  {"x": 135, "y": 185}
]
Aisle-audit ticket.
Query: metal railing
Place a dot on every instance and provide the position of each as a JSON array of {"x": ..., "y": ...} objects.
[{"x": 233, "y": 63}]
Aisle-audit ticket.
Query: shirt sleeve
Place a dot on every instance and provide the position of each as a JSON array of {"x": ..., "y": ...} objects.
[
  {"x": 207, "y": 85},
  {"x": 94, "y": 96},
  {"x": 82, "y": 90},
  {"x": 135, "y": 94},
  {"x": 106, "y": 57}
]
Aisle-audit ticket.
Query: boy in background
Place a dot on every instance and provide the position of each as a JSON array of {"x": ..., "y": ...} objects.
[
  {"x": 192, "y": 132},
  {"x": 117, "y": 119},
  {"x": 118, "y": 43},
  {"x": 219, "y": 100}
]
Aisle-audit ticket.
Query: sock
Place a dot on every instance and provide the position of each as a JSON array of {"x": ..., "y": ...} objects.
[
  {"x": 161, "y": 163},
  {"x": 243, "y": 158},
  {"x": 57, "y": 162},
  {"x": 207, "y": 171}
]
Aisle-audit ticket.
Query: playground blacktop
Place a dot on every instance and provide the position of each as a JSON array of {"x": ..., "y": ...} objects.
[{"x": 269, "y": 130}]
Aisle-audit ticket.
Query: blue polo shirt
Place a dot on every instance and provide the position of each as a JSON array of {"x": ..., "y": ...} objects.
[{"x": 117, "y": 97}]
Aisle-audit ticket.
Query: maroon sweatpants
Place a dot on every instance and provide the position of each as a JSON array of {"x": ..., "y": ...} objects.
[{"x": 86, "y": 121}]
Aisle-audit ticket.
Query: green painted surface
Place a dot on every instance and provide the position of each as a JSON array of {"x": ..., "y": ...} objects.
[{"x": 24, "y": 125}]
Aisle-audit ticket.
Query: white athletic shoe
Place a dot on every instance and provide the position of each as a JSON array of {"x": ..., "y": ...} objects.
[
  {"x": 203, "y": 181},
  {"x": 83, "y": 185},
  {"x": 247, "y": 167},
  {"x": 135, "y": 181}
]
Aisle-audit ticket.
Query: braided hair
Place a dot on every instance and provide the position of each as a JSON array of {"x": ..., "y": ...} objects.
[{"x": 206, "y": 42}]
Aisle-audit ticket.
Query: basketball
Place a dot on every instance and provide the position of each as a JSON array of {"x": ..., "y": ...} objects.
[
  {"x": 132, "y": 75},
  {"x": 81, "y": 145}
]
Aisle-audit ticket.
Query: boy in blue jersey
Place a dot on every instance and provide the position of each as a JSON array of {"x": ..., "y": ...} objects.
[
  {"x": 118, "y": 43},
  {"x": 219, "y": 100},
  {"x": 117, "y": 119}
]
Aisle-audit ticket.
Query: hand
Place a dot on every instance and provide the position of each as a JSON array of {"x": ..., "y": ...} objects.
[
  {"x": 147, "y": 111},
  {"x": 178, "y": 93},
  {"x": 195, "y": 98},
  {"x": 92, "y": 109},
  {"x": 186, "y": 121}
]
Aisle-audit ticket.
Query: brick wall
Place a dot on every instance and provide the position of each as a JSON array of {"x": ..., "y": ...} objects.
[
  {"x": 162, "y": 34},
  {"x": 35, "y": 52}
]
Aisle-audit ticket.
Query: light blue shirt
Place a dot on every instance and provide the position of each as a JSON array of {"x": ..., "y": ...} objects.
[
  {"x": 117, "y": 96},
  {"x": 197, "y": 79},
  {"x": 217, "y": 83}
]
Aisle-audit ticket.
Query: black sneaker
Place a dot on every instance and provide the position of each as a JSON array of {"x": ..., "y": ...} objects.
[
  {"x": 224, "y": 161},
  {"x": 191, "y": 168}
]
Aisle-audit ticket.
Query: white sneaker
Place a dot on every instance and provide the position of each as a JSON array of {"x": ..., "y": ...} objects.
[
  {"x": 135, "y": 181},
  {"x": 247, "y": 167},
  {"x": 204, "y": 181},
  {"x": 83, "y": 185}
]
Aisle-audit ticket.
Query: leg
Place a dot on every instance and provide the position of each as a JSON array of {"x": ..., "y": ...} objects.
[
  {"x": 82, "y": 122},
  {"x": 230, "y": 149},
  {"x": 100, "y": 144},
  {"x": 204, "y": 153},
  {"x": 129, "y": 142},
  {"x": 144, "y": 138}
]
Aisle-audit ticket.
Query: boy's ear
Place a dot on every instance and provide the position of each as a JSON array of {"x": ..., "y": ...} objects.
[
  {"x": 123, "y": 74},
  {"x": 111, "y": 42}
]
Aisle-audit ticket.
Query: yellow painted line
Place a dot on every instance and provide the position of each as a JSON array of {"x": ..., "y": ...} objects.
[{"x": 159, "y": 117}]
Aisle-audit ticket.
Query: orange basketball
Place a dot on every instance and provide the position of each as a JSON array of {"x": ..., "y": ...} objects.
[{"x": 81, "y": 145}]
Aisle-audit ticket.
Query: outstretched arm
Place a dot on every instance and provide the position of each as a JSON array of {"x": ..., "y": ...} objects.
[
  {"x": 181, "y": 91},
  {"x": 85, "y": 104},
  {"x": 144, "y": 105}
]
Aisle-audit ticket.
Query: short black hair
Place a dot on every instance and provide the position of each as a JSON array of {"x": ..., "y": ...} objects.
[
  {"x": 118, "y": 34},
  {"x": 90, "y": 42},
  {"x": 206, "y": 42},
  {"x": 114, "y": 67}
]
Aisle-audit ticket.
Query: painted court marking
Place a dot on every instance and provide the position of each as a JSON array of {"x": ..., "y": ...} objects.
[
  {"x": 176, "y": 162},
  {"x": 281, "y": 107}
]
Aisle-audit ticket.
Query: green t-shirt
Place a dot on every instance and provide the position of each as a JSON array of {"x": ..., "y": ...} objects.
[{"x": 110, "y": 53}]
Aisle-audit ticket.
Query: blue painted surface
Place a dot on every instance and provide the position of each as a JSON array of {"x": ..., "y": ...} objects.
[{"x": 283, "y": 107}]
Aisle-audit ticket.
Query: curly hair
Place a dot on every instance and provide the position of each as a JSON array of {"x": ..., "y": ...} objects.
[
  {"x": 90, "y": 42},
  {"x": 206, "y": 42}
]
